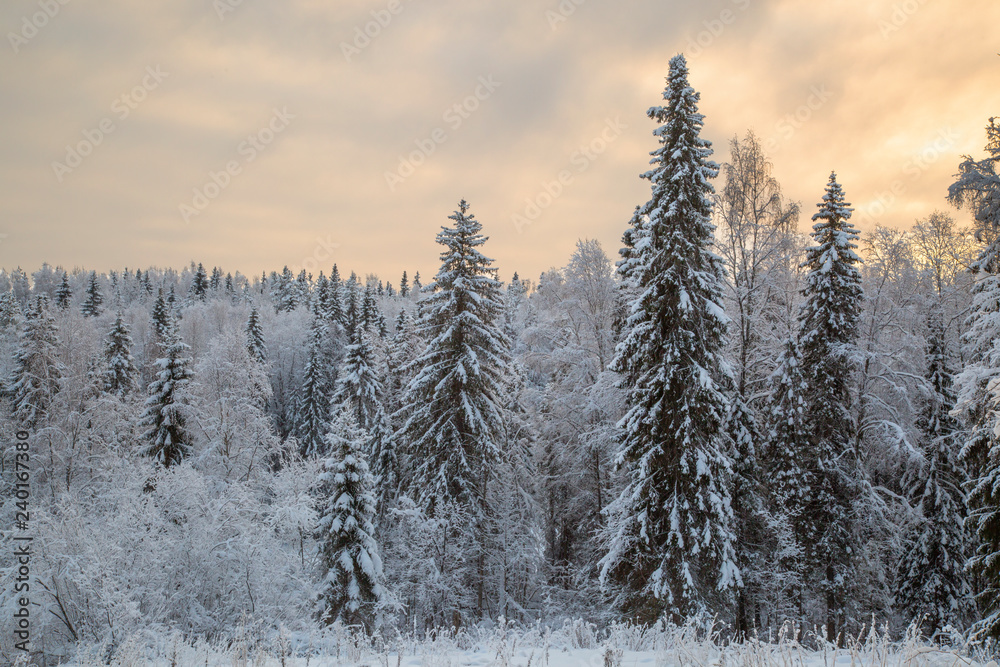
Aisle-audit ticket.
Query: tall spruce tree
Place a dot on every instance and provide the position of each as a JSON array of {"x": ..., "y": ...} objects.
[
  {"x": 978, "y": 385},
  {"x": 199, "y": 284},
  {"x": 670, "y": 534},
  {"x": 255, "y": 337},
  {"x": 168, "y": 439},
  {"x": 64, "y": 293},
  {"x": 121, "y": 374},
  {"x": 313, "y": 410},
  {"x": 454, "y": 427},
  {"x": 785, "y": 458},
  {"x": 92, "y": 303},
  {"x": 353, "y": 587},
  {"x": 828, "y": 323},
  {"x": 933, "y": 587},
  {"x": 37, "y": 370}
]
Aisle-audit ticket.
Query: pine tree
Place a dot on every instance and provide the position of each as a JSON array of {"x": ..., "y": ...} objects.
[
  {"x": 92, "y": 304},
  {"x": 121, "y": 374},
  {"x": 168, "y": 439},
  {"x": 199, "y": 284},
  {"x": 336, "y": 306},
  {"x": 933, "y": 588},
  {"x": 454, "y": 429},
  {"x": 215, "y": 282},
  {"x": 64, "y": 294},
  {"x": 37, "y": 370},
  {"x": 161, "y": 320},
  {"x": 352, "y": 306},
  {"x": 255, "y": 337},
  {"x": 353, "y": 588},
  {"x": 670, "y": 534},
  {"x": 359, "y": 387},
  {"x": 313, "y": 410},
  {"x": 978, "y": 385},
  {"x": 828, "y": 323},
  {"x": 285, "y": 294},
  {"x": 404, "y": 286},
  {"x": 417, "y": 286}
]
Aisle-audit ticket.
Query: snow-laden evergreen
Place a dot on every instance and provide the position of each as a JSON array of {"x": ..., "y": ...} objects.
[
  {"x": 353, "y": 587},
  {"x": 168, "y": 439},
  {"x": 37, "y": 369},
  {"x": 828, "y": 332},
  {"x": 92, "y": 302},
  {"x": 978, "y": 385},
  {"x": 313, "y": 408},
  {"x": 255, "y": 338},
  {"x": 933, "y": 587},
  {"x": 121, "y": 374},
  {"x": 670, "y": 534},
  {"x": 64, "y": 293},
  {"x": 453, "y": 432}
]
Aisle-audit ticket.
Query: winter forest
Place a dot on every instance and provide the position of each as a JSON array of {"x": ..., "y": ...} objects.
[{"x": 751, "y": 414}]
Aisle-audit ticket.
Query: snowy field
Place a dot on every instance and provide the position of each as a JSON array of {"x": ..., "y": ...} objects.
[{"x": 575, "y": 644}]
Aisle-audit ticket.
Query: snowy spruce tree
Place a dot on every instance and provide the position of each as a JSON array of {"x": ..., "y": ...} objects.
[
  {"x": 92, "y": 303},
  {"x": 978, "y": 385},
  {"x": 64, "y": 293},
  {"x": 37, "y": 369},
  {"x": 255, "y": 338},
  {"x": 786, "y": 453},
  {"x": 168, "y": 440},
  {"x": 313, "y": 409},
  {"x": 121, "y": 374},
  {"x": 670, "y": 533},
  {"x": 199, "y": 284},
  {"x": 353, "y": 587},
  {"x": 828, "y": 323},
  {"x": 453, "y": 431},
  {"x": 933, "y": 587}
]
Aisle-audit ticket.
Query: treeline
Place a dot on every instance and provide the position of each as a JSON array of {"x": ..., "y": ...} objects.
[{"x": 738, "y": 421}]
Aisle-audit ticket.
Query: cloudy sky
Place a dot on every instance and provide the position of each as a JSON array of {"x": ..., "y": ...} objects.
[{"x": 252, "y": 134}]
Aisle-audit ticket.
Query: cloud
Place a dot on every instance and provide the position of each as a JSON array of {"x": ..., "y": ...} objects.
[{"x": 890, "y": 95}]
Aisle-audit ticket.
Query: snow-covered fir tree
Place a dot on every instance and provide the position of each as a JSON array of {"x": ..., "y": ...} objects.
[
  {"x": 64, "y": 293},
  {"x": 313, "y": 408},
  {"x": 933, "y": 587},
  {"x": 404, "y": 286},
  {"x": 199, "y": 284},
  {"x": 121, "y": 374},
  {"x": 37, "y": 370},
  {"x": 359, "y": 386},
  {"x": 670, "y": 533},
  {"x": 978, "y": 385},
  {"x": 828, "y": 333},
  {"x": 255, "y": 337},
  {"x": 353, "y": 586},
  {"x": 168, "y": 439},
  {"x": 161, "y": 319},
  {"x": 92, "y": 303},
  {"x": 454, "y": 426}
]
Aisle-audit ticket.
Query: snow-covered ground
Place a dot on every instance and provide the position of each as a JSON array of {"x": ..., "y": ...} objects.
[{"x": 576, "y": 644}]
